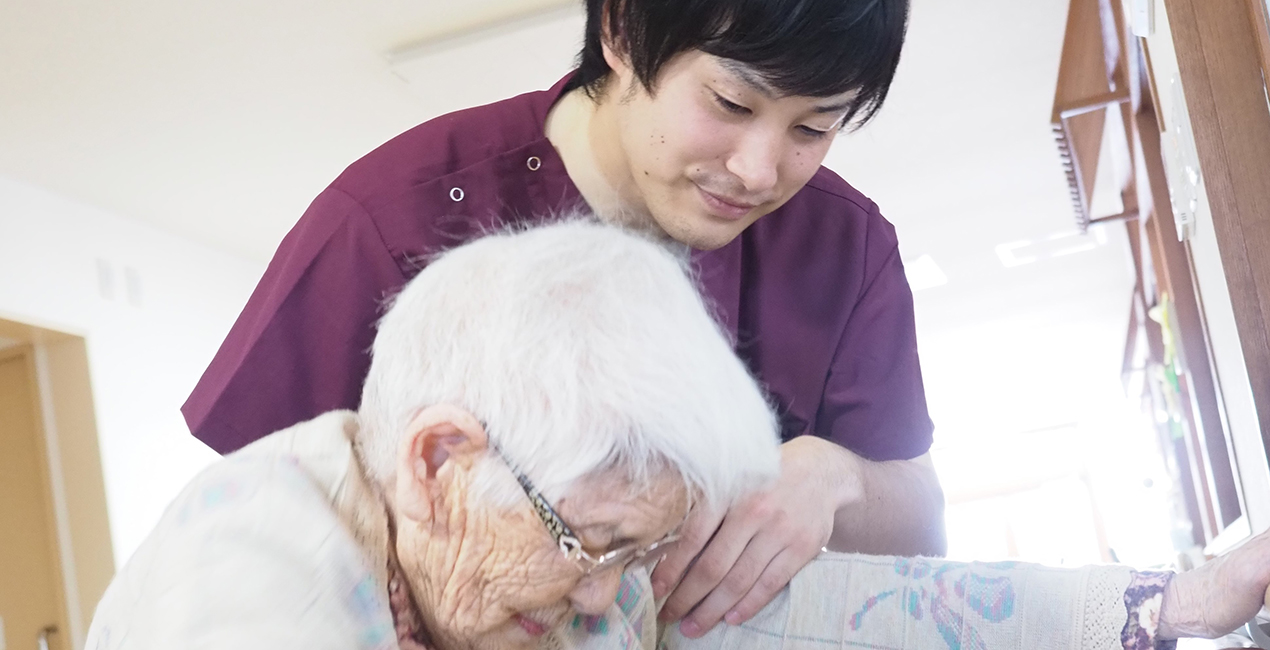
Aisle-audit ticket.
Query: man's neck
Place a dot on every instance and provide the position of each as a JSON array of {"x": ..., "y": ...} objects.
[{"x": 585, "y": 133}]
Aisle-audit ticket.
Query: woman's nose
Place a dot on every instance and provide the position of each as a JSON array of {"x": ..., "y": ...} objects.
[{"x": 594, "y": 593}]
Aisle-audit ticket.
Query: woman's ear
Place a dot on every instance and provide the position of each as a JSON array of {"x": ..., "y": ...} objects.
[{"x": 439, "y": 436}]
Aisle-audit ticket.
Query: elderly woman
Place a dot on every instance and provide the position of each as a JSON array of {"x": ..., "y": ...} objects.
[{"x": 542, "y": 411}]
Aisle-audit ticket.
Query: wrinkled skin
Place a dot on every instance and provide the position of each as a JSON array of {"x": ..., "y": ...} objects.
[
  {"x": 1219, "y": 596},
  {"x": 475, "y": 569}
]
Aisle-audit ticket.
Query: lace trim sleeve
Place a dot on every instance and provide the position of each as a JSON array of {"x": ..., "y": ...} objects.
[{"x": 1102, "y": 606}]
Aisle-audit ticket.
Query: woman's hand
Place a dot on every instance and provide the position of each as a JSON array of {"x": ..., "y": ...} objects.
[{"x": 1219, "y": 596}]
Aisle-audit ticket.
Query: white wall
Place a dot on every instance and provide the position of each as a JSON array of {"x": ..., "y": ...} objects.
[{"x": 146, "y": 347}]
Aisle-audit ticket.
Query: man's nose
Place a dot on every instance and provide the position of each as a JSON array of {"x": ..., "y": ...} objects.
[
  {"x": 594, "y": 593},
  {"x": 756, "y": 161}
]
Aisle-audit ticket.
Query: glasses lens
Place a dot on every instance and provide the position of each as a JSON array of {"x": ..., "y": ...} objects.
[
  {"x": 620, "y": 558},
  {"x": 649, "y": 560}
]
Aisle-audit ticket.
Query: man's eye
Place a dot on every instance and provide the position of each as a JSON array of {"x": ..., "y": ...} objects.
[
  {"x": 731, "y": 107},
  {"x": 812, "y": 133}
]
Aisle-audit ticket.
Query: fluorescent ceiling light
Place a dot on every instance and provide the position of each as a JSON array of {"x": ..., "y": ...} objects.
[
  {"x": 1071, "y": 250},
  {"x": 924, "y": 273},
  {"x": 1006, "y": 253},
  {"x": 1062, "y": 244}
]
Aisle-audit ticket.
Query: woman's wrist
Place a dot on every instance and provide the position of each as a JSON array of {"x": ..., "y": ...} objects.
[
  {"x": 1173, "y": 625},
  {"x": 1218, "y": 596}
]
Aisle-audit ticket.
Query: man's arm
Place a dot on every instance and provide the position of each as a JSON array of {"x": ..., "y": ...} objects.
[
  {"x": 831, "y": 492},
  {"x": 874, "y": 408},
  {"x": 893, "y": 507}
]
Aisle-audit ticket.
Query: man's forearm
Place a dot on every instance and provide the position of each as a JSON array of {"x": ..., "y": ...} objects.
[{"x": 893, "y": 508}]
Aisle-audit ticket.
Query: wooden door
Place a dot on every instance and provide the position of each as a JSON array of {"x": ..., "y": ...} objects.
[{"x": 30, "y": 591}]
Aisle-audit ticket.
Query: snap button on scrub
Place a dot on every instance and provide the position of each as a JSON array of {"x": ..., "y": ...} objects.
[{"x": 456, "y": 194}]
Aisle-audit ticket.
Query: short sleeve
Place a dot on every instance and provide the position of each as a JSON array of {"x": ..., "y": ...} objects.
[
  {"x": 301, "y": 345},
  {"x": 874, "y": 402}
]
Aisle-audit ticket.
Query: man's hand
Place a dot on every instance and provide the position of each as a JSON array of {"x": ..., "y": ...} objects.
[
  {"x": 730, "y": 565},
  {"x": 753, "y": 551}
]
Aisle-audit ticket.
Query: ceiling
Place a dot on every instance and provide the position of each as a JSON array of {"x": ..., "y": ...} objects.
[{"x": 221, "y": 120}]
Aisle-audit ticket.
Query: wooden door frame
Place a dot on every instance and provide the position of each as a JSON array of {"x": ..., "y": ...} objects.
[
  {"x": 1260, "y": 16},
  {"x": 71, "y": 467},
  {"x": 1220, "y": 58},
  {"x": 1173, "y": 271},
  {"x": 26, "y": 354}
]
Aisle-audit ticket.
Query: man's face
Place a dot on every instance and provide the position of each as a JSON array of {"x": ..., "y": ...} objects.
[{"x": 714, "y": 147}]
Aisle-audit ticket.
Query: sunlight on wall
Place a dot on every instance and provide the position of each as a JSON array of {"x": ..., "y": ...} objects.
[{"x": 1061, "y": 494}]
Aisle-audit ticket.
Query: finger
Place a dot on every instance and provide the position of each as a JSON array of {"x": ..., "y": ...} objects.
[
  {"x": 738, "y": 582},
  {"x": 712, "y": 565},
  {"x": 697, "y": 531},
  {"x": 775, "y": 577}
]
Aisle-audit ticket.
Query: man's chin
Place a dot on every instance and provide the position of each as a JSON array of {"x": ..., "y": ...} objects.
[{"x": 703, "y": 236}]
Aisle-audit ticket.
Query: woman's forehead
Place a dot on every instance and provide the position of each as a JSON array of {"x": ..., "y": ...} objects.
[{"x": 614, "y": 501}]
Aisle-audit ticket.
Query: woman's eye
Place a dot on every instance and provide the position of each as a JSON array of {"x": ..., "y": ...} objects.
[{"x": 731, "y": 107}]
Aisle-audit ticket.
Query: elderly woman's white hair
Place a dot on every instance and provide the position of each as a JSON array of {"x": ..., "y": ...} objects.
[{"x": 583, "y": 348}]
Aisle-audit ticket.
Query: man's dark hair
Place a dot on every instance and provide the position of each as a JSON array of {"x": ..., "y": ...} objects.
[{"x": 812, "y": 48}]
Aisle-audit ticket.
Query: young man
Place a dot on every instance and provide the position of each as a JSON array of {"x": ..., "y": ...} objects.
[{"x": 703, "y": 122}]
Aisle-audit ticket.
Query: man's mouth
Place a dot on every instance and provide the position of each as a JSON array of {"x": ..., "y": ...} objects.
[{"x": 726, "y": 206}]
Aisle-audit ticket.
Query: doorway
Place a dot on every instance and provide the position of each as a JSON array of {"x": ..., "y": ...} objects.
[
  {"x": 31, "y": 602},
  {"x": 56, "y": 557}
]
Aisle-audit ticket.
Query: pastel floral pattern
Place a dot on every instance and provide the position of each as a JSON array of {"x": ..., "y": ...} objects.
[{"x": 942, "y": 597}]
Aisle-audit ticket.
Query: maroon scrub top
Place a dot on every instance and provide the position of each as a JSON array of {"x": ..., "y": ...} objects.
[{"x": 814, "y": 293}]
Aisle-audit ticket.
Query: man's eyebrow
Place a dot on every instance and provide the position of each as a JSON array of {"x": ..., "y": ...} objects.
[
  {"x": 749, "y": 77},
  {"x": 758, "y": 84},
  {"x": 837, "y": 107}
]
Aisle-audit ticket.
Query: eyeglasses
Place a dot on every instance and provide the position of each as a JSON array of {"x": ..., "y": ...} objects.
[{"x": 568, "y": 541}]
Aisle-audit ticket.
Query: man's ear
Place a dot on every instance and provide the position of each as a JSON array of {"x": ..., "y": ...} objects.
[
  {"x": 615, "y": 49},
  {"x": 439, "y": 436}
]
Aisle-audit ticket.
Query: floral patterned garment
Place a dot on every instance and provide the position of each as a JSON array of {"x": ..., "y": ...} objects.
[
  {"x": 887, "y": 603},
  {"x": 1142, "y": 600},
  {"x": 282, "y": 545}
]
